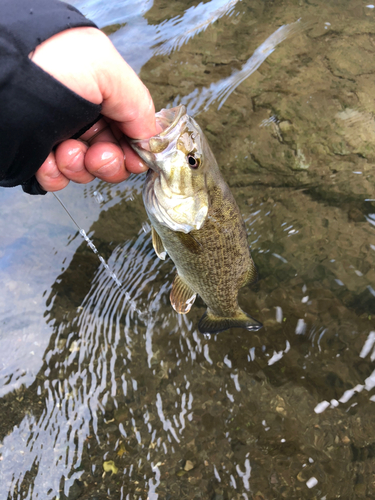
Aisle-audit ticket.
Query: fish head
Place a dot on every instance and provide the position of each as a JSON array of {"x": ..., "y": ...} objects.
[{"x": 179, "y": 156}]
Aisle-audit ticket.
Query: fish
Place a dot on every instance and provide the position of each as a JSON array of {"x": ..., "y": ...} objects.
[{"x": 197, "y": 222}]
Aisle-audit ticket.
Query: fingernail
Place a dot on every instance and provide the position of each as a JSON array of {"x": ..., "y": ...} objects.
[
  {"x": 74, "y": 151},
  {"x": 55, "y": 174},
  {"x": 107, "y": 155},
  {"x": 53, "y": 170},
  {"x": 111, "y": 168},
  {"x": 76, "y": 155}
]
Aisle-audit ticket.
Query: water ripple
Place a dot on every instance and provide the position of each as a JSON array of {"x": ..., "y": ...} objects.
[{"x": 201, "y": 100}]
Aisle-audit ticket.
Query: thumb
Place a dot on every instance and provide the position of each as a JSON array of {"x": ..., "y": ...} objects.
[
  {"x": 126, "y": 100},
  {"x": 86, "y": 61}
]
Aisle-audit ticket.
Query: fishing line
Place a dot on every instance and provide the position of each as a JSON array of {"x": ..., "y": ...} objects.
[
  {"x": 67, "y": 211},
  {"x": 89, "y": 242}
]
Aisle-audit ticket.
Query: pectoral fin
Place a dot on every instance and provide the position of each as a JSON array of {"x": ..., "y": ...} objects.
[
  {"x": 210, "y": 323},
  {"x": 190, "y": 242},
  {"x": 181, "y": 297},
  {"x": 158, "y": 245}
]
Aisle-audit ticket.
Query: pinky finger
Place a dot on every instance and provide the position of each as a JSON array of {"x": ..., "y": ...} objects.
[{"x": 49, "y": 176}]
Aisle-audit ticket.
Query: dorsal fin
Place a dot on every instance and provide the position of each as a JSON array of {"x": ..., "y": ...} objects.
[
  {"x": 158, "y": 245},
  {"x": 182, "y": 296},
  {"x": 251, "y": 275}
]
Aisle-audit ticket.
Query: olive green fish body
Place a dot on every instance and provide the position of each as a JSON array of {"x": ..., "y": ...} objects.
[
  {"x": 197, "y": 222},
  {"x": 217, "y": 263}
]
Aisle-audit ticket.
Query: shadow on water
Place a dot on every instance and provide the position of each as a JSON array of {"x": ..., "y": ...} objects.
[{"x": 105, "y": 391}]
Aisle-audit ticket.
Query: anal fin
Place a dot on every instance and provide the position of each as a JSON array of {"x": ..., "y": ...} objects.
[
  {"x": 182, "y": 296},
  {"x": 158, "y": 245}
]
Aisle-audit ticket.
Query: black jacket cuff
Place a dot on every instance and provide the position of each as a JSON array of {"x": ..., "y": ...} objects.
[{"x": 37, "y": 111}]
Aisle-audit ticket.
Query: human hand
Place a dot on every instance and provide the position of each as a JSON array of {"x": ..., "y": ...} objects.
[{"x": 86, "y": 62}]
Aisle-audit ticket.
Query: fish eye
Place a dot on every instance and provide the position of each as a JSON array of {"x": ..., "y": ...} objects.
[{"x": 193, "y": 161}]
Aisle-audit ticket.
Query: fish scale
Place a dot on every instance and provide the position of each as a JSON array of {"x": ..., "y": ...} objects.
[{"x": 226, "y": 257}]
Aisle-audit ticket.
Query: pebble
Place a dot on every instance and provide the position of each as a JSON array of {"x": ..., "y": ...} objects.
[
  {"x": 310, "y": 483},
  {"x": 188, "y": 465}
]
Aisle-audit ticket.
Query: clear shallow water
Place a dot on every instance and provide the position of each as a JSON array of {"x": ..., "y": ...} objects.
[{"x": 105, "y": 391}]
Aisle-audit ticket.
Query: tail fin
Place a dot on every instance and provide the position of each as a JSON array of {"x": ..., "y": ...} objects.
[{"x": 210, "y": 323}]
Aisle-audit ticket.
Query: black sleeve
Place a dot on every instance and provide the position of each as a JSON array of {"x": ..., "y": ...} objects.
[{"x": 36, "y": 111}]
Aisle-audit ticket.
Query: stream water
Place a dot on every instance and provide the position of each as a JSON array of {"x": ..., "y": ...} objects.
[{"x": 107, "y": 393}]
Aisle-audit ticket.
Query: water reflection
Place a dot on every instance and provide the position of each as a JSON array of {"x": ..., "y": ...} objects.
[
  {"x": 112, "y": 394},
  {"x": 113, "y": 13},
  {"x": 129, "y": 383},
  {"x": 139, "y": 40}
]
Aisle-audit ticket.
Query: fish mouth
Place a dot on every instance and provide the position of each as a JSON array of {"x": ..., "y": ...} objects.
[{"x": 170, "y": 120}]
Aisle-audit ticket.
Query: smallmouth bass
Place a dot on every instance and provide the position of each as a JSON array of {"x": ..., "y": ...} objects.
[{"x": 196, "y": 221}]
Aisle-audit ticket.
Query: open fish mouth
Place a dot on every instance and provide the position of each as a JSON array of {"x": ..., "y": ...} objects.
[
  {"x": 168, "y": 119},
  {"x": 171, "y": 121}
]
